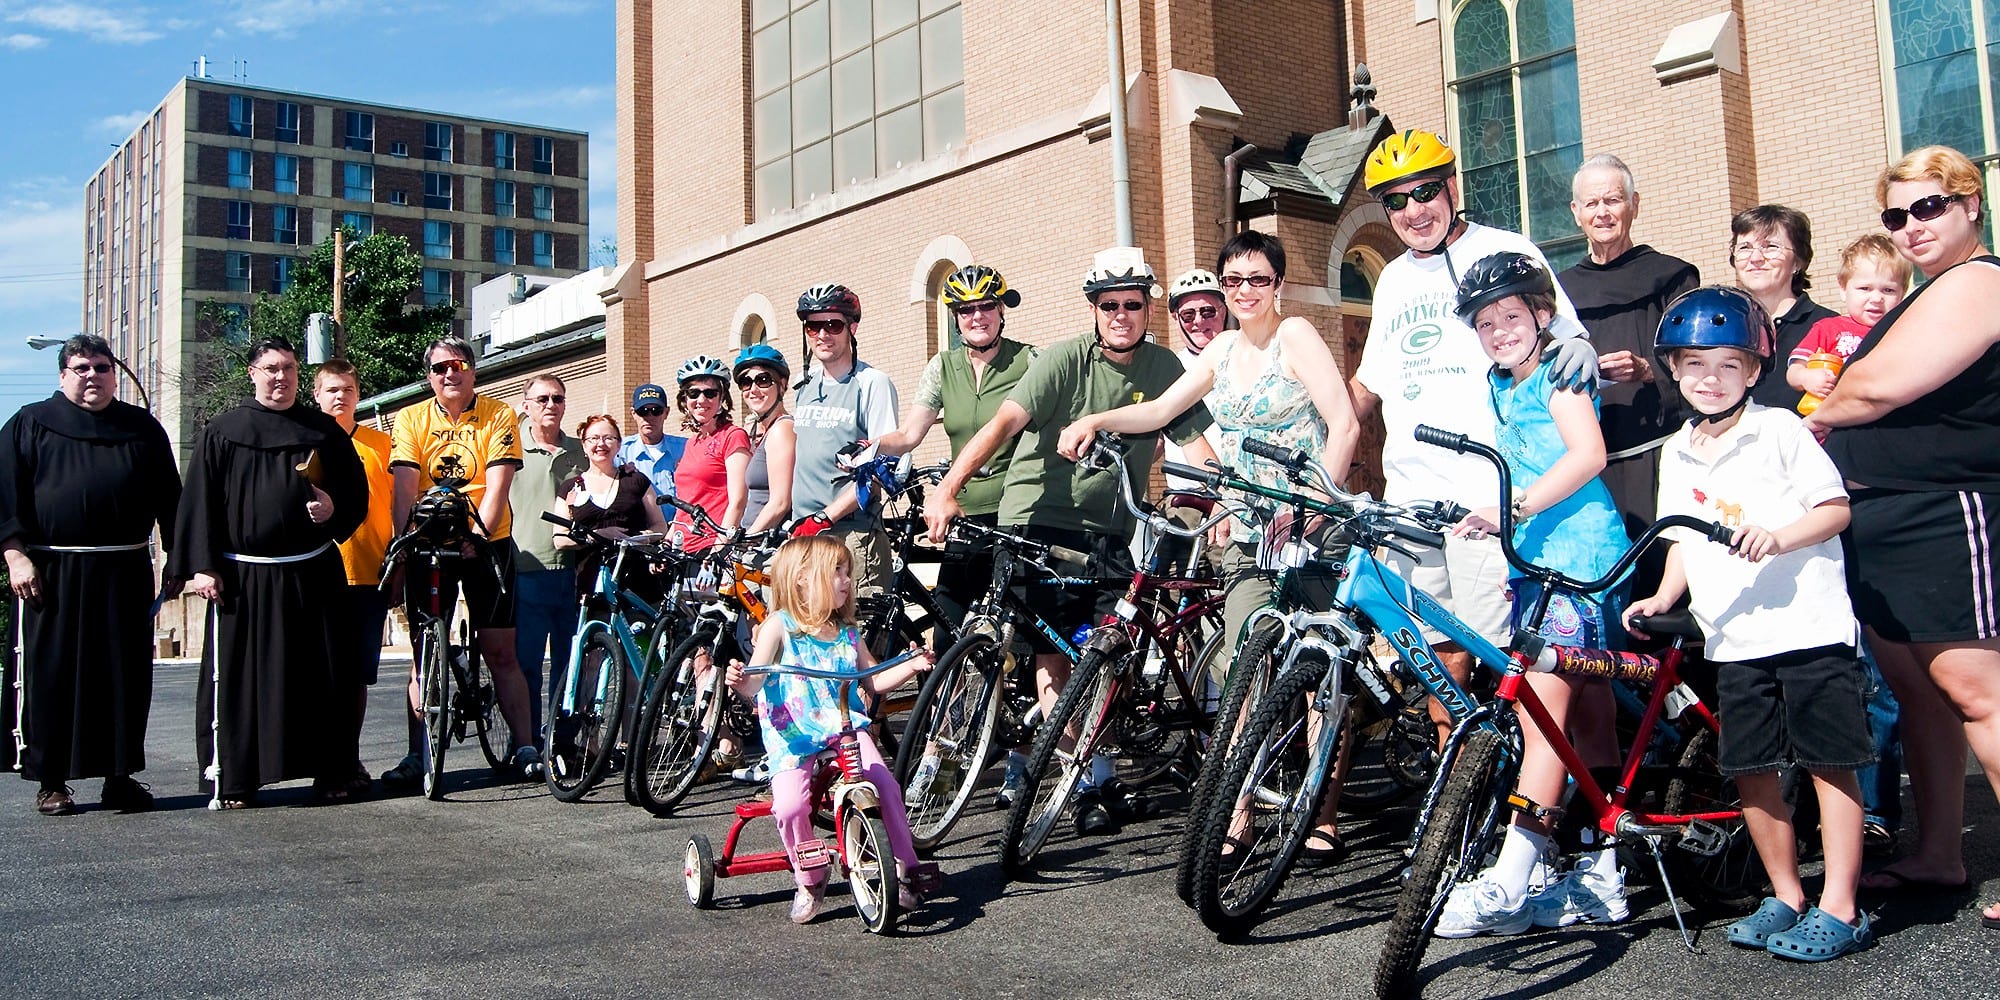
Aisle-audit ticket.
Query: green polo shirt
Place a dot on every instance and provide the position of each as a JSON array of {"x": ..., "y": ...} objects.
[
  {"x": 965, "y": 404},
  {"x": 543, "y": 470}
]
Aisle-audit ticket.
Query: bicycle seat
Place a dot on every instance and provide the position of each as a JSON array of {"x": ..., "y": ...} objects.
[{"x": 1674, "y": 623}]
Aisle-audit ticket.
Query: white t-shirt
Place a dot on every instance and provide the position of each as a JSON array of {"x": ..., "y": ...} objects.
[
  {"x": 1429, "y": 368},
  {"x": 1175, "y": 453},
  {"x": 1769, "y": 473}
]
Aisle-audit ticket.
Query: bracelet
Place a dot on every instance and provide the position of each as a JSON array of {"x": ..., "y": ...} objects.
[{"x": 1520, "y": 505}]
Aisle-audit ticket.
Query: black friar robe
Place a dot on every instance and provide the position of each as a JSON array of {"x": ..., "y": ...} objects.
[
  {"x": 71, "y": 479},
  {"x": 273, "y": 631}
]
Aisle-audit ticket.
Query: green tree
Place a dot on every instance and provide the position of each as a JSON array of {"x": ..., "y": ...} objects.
[
  {"x": 213, "y": 377},
  {"x": 386, "y": 333}
]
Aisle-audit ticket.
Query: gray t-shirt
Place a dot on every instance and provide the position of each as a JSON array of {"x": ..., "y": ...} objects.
[{"x": 830, "y": 414}]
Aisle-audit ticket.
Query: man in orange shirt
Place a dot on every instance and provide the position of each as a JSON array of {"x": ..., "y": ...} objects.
[{"x": 337, "y": 388}]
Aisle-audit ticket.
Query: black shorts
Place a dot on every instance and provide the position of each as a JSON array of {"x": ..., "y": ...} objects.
[
  {"x": 1921, "y": 566},
  {"x": 363, "y": 610},
  {"x": 1069, "y": 608},
  {"x": 1807, "y": 706},
  {"x": 487, "y": 603},
  {"x": 966, "y": 569}
]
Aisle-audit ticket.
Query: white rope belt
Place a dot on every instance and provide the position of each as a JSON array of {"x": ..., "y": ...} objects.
[
  {"x": 134, "y": 547},
  {"x": 276, "y": 560},
  {"x": 1636, "y": 449}
]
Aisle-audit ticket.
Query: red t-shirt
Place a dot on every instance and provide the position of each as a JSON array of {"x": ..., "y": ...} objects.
[
  {"x": 702, "y": 479},
  {"x": 1832, "y": 335}
]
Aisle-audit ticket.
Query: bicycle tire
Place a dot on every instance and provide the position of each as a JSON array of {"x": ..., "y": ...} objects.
[
  {"x": 679, "y": 727},
  {"x": 1461, "y": 828},
  {"x": 958, "y": 711},
  {"x": 1264, "y": 782},
  {"x": 487, "y": 720},
  {"x": 1052, "y": 775},
  {"x": 698, "y": 871},
  {"x": 1250, "y": 672},
  {"x": 1373, "y": 782},
  {"x": 1734, "y": 880},
  {"x": 435, "y": 687},
  {"x": 871, "y": 868},
  {"x": 574, "y": 768}
]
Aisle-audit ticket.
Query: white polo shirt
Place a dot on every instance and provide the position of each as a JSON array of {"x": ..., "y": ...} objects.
[{"x": 1769, "y": 473}]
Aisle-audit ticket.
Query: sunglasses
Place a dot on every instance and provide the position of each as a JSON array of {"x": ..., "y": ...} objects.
[
  {"x": 975, "y": 307},
  {"x": 1923, "y": 210},
  {"x": 1115, "y": 305},
  {"x": 1190, "y": 315},
  {"x": 85, "y": 371},
  {"x": 700, "y": 393},
  {"x": 552, "y": 399},
  {"x": 761, "y": 380},
  {"x": 1424, "y": 194},
  {"x": 826, "y": 326},
  {"x": 1253, "y": 280},
  {"x": 453, "y": 365},
  {"x": 650, "y": 411}
]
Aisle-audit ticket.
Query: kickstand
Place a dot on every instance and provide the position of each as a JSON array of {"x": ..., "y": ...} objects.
[{"x": 1673, "y": 902}]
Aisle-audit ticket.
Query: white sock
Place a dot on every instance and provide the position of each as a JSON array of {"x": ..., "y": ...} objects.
[
  {"x": 1604, "y": 863},
  {"x": 1102, "y": 768},
  {"x": 1518, "y": 854}
]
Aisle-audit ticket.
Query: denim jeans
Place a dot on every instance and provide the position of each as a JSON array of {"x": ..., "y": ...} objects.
[
  {"x": 544, "y": 623},
  {"x": 1882, "y": 782}
]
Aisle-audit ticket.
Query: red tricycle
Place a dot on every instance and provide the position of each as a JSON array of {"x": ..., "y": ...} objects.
[{"x": 860, "y": 845}]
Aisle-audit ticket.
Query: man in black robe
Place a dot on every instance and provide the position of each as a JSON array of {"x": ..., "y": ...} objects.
[
  {"x": 1621, "y": 291},
  {"x": 83, "y": 480},
  {"x": 271, "y": 488}
]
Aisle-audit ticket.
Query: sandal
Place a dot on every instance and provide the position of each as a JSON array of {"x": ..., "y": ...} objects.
[
  {"x": 237, "y": 802},
  {"x": 1755, "y": 930},
  {"x": 1891, "y": 881},
  {"x": 1820, "y": 936},
  {"x": 1991, "y": 923},
  {"x": 1334, "y": 852}
]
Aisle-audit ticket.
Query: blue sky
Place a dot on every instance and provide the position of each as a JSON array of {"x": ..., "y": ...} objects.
[{"x": 80, "y": 76}]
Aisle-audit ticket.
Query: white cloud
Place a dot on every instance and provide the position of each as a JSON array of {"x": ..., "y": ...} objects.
[
  {"x": 97, "y": 23},
  {"x": 22, "y": 41},
  {"x": 121, "y": 125}
]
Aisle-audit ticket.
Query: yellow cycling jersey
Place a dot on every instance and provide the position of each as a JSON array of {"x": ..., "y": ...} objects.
[{"x": 438, "y": 447}]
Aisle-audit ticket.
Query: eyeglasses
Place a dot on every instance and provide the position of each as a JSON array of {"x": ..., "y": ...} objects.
[
  {"x": 975, "y": 307},
  {"x": 276, "y": 371},
  {"x": 1253, "y": 280},
  {"x": 1116, "y": 305},
  {"x": 85, "y": 371},
  {"x": 700, "y": 393},
  {"x": 1767, "y": 251},
  {"x": 601, "y": 439},
  {"x": 1198, "y": 313},
  {"x": 761, "y": 380},
  {"x": 451, "y": 365},
  {"x": 826, "y": 326},
  {"x": 650, "y": 411},
  {"x": 1396, "y": 201},
  {"x": 1923, "y": 210},
  {"x": 552, "y": 399}
]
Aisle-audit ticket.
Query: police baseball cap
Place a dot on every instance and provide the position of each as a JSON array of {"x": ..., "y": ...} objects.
[{"x": 649, "y": 395}]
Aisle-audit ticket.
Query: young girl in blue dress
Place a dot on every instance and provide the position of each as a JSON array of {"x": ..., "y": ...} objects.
[
  {"x": 1564, "y": 519},
  {"x": 812, "y": 626}
]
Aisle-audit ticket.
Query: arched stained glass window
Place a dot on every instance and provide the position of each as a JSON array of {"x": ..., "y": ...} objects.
[{"x": 1518, "y": 118}]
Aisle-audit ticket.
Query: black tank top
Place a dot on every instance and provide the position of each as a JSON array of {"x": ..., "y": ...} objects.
[{"x": 1948, "y": 439}]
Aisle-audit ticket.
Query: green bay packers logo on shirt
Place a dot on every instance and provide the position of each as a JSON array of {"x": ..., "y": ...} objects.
[{"x": 1422, "y": 338}]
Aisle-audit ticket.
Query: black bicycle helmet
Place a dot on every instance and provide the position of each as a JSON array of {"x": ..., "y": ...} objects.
[
  {"x": 830, "y": 297},
  {"x": 1497, "y": 276}
]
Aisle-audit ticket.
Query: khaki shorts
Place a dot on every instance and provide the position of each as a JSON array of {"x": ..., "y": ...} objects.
[
  {"x": 869, "y": 548},
  {"x": 1469, "y": 577}
]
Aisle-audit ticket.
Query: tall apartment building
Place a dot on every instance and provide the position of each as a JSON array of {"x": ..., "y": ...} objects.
[
  {"x": 225, "y": 186},
  {"x": 766, "y": 145}
]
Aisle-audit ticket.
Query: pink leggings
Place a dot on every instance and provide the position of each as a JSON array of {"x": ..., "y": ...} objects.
[{"x": 791, "y": 807}]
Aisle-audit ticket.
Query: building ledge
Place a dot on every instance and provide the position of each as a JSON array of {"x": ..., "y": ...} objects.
[{"x": 1699, "y": 47}]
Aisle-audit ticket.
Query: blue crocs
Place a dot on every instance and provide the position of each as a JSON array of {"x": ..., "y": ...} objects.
[
  {"x": 1820, "y": 936},
  {"x": 1755, "y": 930}
]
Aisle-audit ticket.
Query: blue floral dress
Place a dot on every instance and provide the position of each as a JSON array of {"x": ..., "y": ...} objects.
[
  {"x": 800, "y": 714},
  {"x": 1273, "y": 407}
]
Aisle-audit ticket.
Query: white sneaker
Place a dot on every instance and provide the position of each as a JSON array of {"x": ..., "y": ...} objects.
[
  {"x": 1584, "y": 895},
  {"x": 1480, "y": 907},
  {"x": 806, "y": 901}
]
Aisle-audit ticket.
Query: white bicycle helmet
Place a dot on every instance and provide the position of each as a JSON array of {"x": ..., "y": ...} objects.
[
  {"x": 1191, "y": 283},
  {"x": 702, "y": 366}
]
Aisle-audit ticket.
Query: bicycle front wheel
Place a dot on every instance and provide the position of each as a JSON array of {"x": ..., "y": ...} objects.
[
  {"x": 1055, "y": 771},
  {"x": 871, "y": 868},
  {"x": 1731, "y": 879},
  {"x": 1268, "y": 797},
  {"x": 678, "y": 728},
  {"x": 1251, "y": 671},
  {"x": 434, "y": 687},
  {"x": 1460, "y": 830},
  {"x": 581, "y": 744},
  {"x": 950, "y": 736}
]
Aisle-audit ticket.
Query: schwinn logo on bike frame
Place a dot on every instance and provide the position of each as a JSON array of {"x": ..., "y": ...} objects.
[{"x": 1419, "y": 657}]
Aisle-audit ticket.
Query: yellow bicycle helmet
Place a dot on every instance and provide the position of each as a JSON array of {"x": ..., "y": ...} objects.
[
  {"x": 1406, "y": 154},
  {"x": 977, "y": 283}
]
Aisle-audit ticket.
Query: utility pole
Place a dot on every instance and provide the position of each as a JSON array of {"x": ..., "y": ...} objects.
[
  {"x": 339, "y": 291},
  {"x": 1121, "y": 165}
]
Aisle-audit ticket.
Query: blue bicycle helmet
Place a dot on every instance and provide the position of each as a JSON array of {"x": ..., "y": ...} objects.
[
  {"x": 1716, "y": 316},
  {"x": 763, "y": 355}
]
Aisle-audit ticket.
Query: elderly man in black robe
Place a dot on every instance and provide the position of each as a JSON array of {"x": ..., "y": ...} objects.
[
  {"x": 83, "y": 480},
  {"x": 272, "y": 487}
]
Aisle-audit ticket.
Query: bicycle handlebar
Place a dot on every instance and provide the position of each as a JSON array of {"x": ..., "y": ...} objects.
[
  {"x": 833, "y": 675},
  {"x": 1026, "y": 548},
  {"x": 1713, "y": 530},
  {"x": 1107, "y": 451}
]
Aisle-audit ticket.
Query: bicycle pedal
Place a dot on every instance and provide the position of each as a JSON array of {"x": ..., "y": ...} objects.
[
  {"x": 1704, "y": 838},
  {"x": 812, "y": 854}
]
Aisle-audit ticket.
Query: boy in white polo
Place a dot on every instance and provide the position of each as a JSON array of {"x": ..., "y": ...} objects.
[{"x": 1773, "y": 608}]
